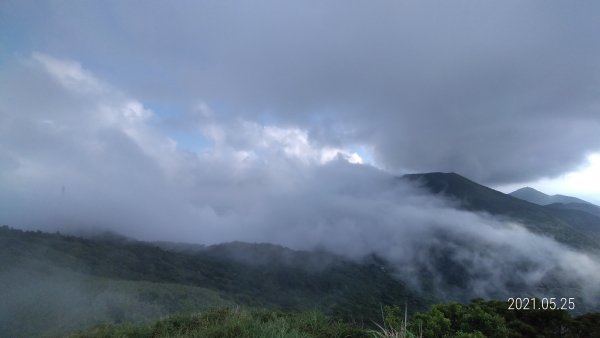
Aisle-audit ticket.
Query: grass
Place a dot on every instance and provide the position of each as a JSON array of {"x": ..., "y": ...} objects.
[
  {"x": 233, "y": 322},
  {"x": 478, "y": 319},
  {"x": 388, "y": 332}
]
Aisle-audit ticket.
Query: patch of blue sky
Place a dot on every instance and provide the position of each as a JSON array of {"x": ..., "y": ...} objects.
[
  {"x": 11, "y": 43},
  {"x": 191, "y": 141},
  {"x": 364, "y": 153},
  {"x": 163, "y": 110},
  {"x": 187, "y": 139}
]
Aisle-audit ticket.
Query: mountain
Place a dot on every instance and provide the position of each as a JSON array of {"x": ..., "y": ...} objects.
[
  {"x": 83, "y": 282},
  {"x": 583, "y": 221},
  {"x": 538, "y": 197},
  {"x": 563, "y": 225},
  {"x": 585, "y": 207},
  {"x": 89, "y": 283}
]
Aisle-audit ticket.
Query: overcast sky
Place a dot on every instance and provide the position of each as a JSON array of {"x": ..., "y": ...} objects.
[
  {"x": 135, "y": 93},
  {"x": 271, "y": 121}
]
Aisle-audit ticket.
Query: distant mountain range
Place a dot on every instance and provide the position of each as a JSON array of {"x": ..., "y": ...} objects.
[
  {"x": 576, "y": 223},
  {"x": 534, "y": 196},
  {"x": 82, "y": 281},
  {"x": 560, "y": 202}
]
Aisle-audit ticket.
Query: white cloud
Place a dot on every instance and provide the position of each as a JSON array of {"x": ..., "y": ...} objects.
[
  {"x": 69, "y": 73},
  {"x": 499, "y": 92},
  {"x": 258, "y": 183},
  {"x": 584, "y": 183},
  {"x": 254, "y": 141}
]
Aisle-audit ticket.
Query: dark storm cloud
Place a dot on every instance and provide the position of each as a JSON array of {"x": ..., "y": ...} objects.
[{"x": 501, "y": 92}]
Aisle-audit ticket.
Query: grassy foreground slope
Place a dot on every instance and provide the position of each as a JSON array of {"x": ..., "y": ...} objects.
[
  {"x": 234, "y": 322},
  {"x": 478, "y": 319}
]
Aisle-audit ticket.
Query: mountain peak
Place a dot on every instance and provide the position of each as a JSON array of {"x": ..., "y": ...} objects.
[
  {"x": 472, "y": 196},
  {"x": 528, "y": 189},
  {"x": 447, "y": 182},
  {"x": 435, "y": 176},
  {"x": 535, "y": 196}
]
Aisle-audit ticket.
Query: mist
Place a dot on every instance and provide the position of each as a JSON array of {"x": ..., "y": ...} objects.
[
  {"x": 74, "y": 301},
  {"x": 102, "y": 161}
]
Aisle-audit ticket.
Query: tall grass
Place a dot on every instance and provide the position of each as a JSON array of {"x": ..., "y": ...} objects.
[
  {"x": 393, "y": 326},
  {"x": 234, "y": 322}
]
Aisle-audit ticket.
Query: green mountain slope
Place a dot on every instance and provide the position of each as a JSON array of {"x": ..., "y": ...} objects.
[
  {"x": 124, "y": 268},
  {"x": 109, "y": 278},
  {"x": 39, "y": 298},
  {"x": 472, "y": 196},
  {"x": 585, "y": 207}
]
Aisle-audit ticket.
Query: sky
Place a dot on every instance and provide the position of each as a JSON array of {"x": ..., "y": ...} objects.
[
  {"x": 583, "y": 182},
  {"x": 503, "y": 93},
  {"x": 287, "y": 122}
]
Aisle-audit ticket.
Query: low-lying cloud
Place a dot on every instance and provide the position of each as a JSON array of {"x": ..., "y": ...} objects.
[{"x": 90, "y": 157}]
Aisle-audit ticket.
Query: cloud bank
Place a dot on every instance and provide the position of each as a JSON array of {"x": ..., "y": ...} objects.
[
  {"x": 500, "y": 92},
  {"x": 85, "y": 155}
]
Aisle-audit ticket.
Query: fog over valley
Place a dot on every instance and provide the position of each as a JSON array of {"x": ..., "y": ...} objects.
[
  {"x": 295, "y": 125},
  {"x": 112, "y": 168}
]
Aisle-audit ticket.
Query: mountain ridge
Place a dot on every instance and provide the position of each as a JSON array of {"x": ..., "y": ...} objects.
[
  {"x": 472, "y": 196},
  {"x": 262, "y": 274},
  {"x": 535, "y": 196},
  {"x": 340, "y": 287}
]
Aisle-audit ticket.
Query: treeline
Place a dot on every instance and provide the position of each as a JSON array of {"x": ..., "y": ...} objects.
[
  {"x": 346, "y": 291},
  {"x": 344, "y": 288},
  {"x": 493, "y": 319}
]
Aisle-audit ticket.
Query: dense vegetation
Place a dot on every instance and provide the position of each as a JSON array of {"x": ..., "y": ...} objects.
[
  {"x": 476, "y": 320},
  {"x": 234, "y": 322},
  {"x": 493, "y": 319},
  {"x": 52, "y": 284},
  {"x": 118, "y": 280}
]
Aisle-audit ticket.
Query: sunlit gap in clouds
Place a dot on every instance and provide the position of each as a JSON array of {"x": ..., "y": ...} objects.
[{"x": 583, "y": 182}]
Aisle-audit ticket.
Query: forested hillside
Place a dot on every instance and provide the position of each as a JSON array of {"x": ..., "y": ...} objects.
[
  {"x": 126, "y": 280},
  {"x": 85, "y": 282}
]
